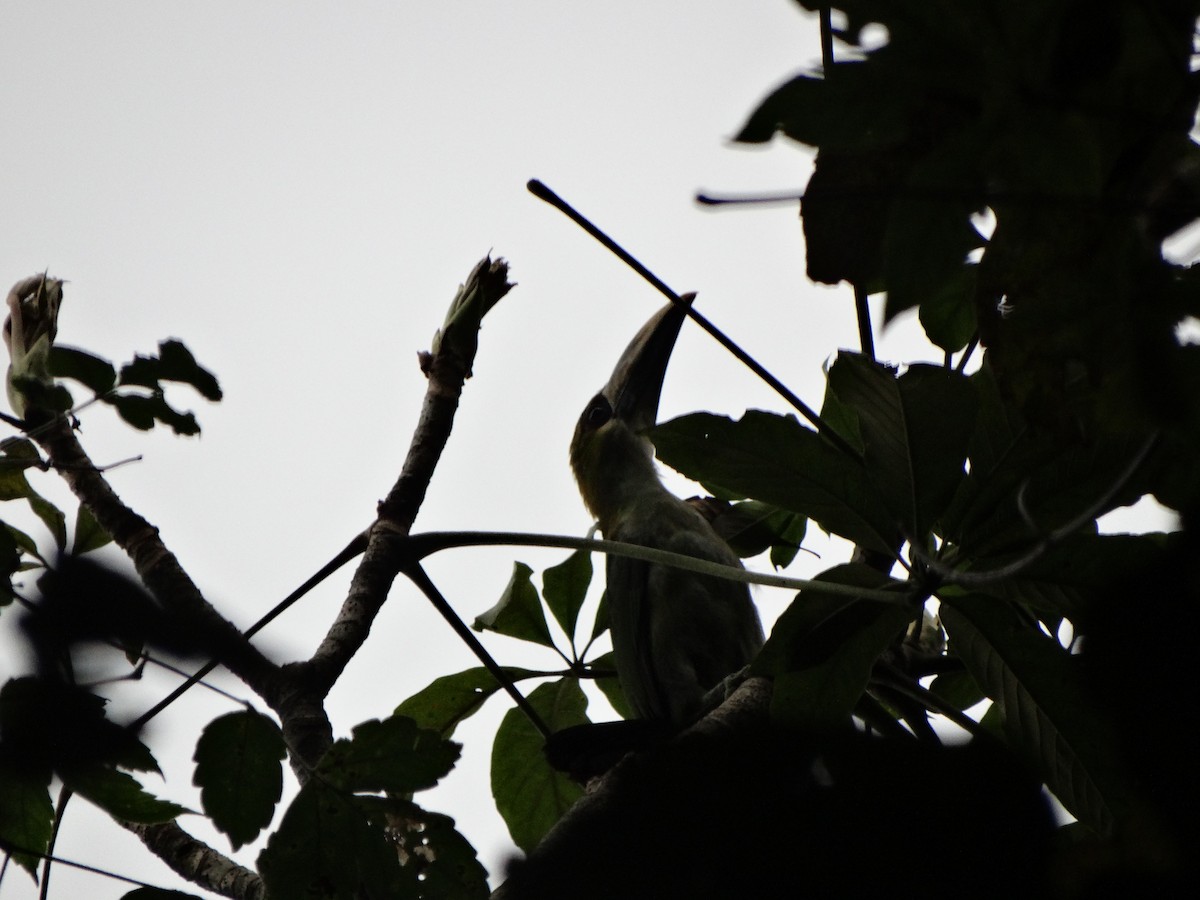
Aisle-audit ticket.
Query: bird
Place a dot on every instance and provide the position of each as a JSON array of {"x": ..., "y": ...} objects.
[{"x": 676, "y": 634}]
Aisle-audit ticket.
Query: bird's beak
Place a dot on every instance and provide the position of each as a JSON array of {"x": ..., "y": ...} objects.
[{"x": 636, "y": 382}]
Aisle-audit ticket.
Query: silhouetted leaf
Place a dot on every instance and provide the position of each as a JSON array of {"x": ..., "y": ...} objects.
[
  {"x": 565, "y": 588},
  {"x": 239, "y": 774},
  {"x": 27, "y": 814},
  {"x": 824, "y": 646},
  {"x": 389, "y": 755},
  {"x": 448, "y": 700},
  {"x": 915, "y": 430},
  {"x": 776, "y": 460},
  {"x": 327, "y": 846},
  {"x": 435, "y": 857},
  {"x": 1048, "y": 713},
  {"x": 89, "y": 370},
  {"x": 530, "y": 795},
  {"x": 119, "y": 794},
  {"x": 610, "y": 685},
  {"x": 89, "y": 535},
  {"x": 518, "y": 612}
]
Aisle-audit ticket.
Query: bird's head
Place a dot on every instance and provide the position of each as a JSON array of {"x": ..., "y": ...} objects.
[{"x": 609, "y": 454}]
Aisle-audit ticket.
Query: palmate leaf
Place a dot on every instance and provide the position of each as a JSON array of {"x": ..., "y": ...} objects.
[
  {"x": 565, "y": 588},
  {"x": 824, "y": 646},
  {"x": 530, "y": 795},
  {"x": 1048, "y": 715},
  {"x": 915, "y": 430},
  {"x": 778, "y": 461},
  {"x": 518, "y": 612},
  {"x": 448, "y": 700}
]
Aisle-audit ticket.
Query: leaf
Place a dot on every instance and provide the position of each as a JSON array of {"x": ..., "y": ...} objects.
[
  {"x": 239, "y": 774},
  {"x": 89, "y": 535},
  {"x": 915, "y": 430},
  {"x": 389, "y": 755},
  {"x": 518, "y": 612},
  {"x": 63, "y": 726},
  {"x": 27, "y": 814},
  {"x": 174, "y": 363},
  {"x": 142, "y": 411},
  {"x": 434, "y": 855},
  {"x": 448, "y": 700},
  {"x": 776, "y": 460},
  {"x": 327, "y": 847},
  {"x": 52, "y": 517},
  {"x": 10, "y": 562},
  {"x": 1066, "y": 577},
  {"x": 91, "y": 371},
  {"x": 119, "y": 794},
  {"x": 824, "y": 646},
  {"x": 752, "y": 527},
  {"x": 530, "y": 795},
  {"x": 1048, "y": 714},
  {"x": 154, "y": 893},
  {"x": 565, "y": 587},
  {"x": 178, "y": 364}
]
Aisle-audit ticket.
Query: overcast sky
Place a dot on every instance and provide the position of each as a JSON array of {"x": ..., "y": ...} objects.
[{"x": 295, "y": 189}]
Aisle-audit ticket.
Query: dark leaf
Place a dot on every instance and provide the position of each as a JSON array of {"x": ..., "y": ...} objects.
[
  {"x": 89, "y": 535},
  {"x": 776, "y": 460},
  {"x": 390, "y": 755},
  {"x": 119, "y": 794},
  {"x": 178, "y": 364},
  {"x": 91, "y": 371},
  {"x": 565, "y": 588},
  {"x": 530, "y": 795},
  {"x": 239, "y": 774},
  {"x": 1048, "y": 714},
  {"x": 432, "y": 852},
  {"x": 824, "y": 646},
  {"x": 27, "y": 814},
  {"x": 153, "y": 893},
  {"x": 452, "y": 698},
  {"x": 518, "y": 613},
  {"x": 915, "y": 430},
  {"x": 328, "y": 847}
]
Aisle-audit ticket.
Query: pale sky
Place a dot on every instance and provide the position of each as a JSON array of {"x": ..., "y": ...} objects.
[{"x": 295, "y": 189}]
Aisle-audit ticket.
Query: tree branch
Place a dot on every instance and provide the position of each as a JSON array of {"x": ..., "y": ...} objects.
[{"x": 199, "y": 863}]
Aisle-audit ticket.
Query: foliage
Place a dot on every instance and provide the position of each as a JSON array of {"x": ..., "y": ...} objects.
[{"x": 1006, "y": 171}]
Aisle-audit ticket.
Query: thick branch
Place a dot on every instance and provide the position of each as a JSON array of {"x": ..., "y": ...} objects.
[
  {"x": 447, "y": 368},
  {"x": 199, "y": 863}
]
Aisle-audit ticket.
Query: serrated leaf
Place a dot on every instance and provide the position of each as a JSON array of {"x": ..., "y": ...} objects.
[
  {"x": 89, "y": 535},
  {"x": 328, "y": 847},
  {"x": 119, "y": 794},
  {"x": 518, "y": 612},
  {"x": 778, "y": 461},
  {"x": 27, "y": 813},
  {"x": 448, "y": 700},
  {"x": 94, "y": 373},
  {"x": 433, "y": 853},
  {"x": 239, "y": 773},
  {"x": 915, "y": 430},
  {"x": 530, "y": 795},
  {"x": 135, "y": 409},
  {"x": 389, "y": 755},
  {"x": 565, "y": 587},
  {"x": 1047, "y": 711},
  {"x": 824, "y": 646}
]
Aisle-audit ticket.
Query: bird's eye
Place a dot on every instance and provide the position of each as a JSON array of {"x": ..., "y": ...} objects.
[{"x": 597, "y": 413}]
